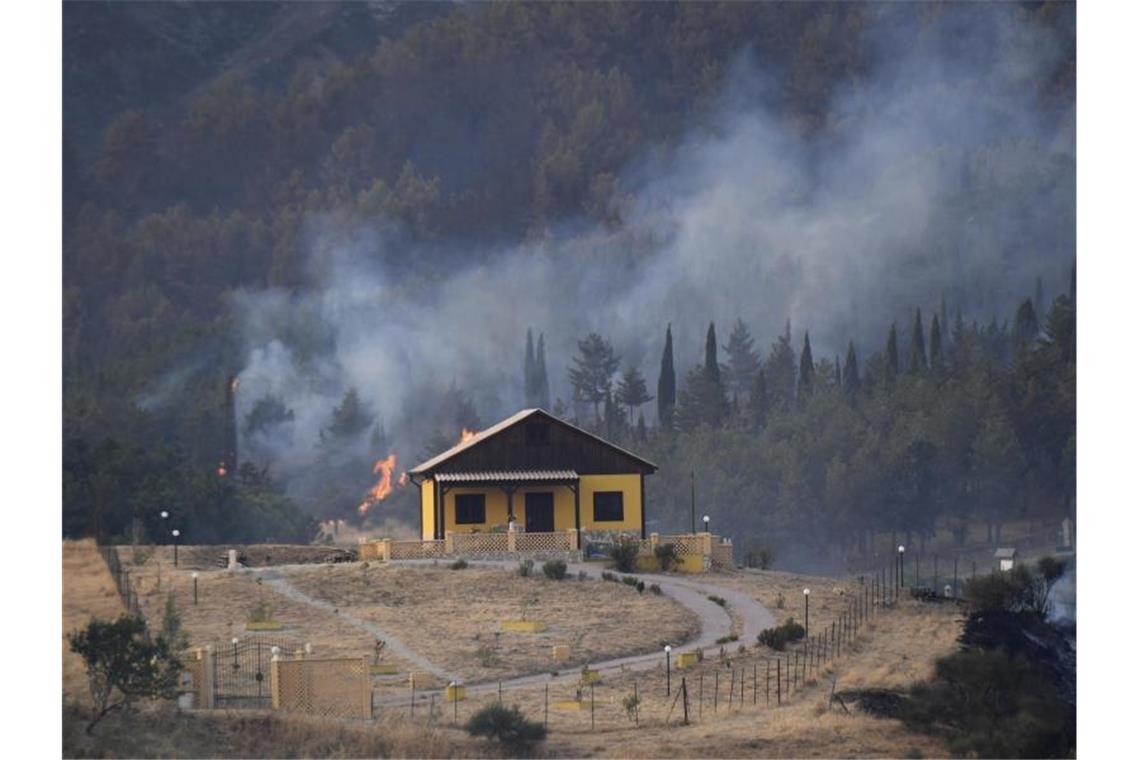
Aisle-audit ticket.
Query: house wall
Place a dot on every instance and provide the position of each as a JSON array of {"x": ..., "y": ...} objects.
[
  {"x": 496, "y": 505},
  {"x": 629, "y": 485}
]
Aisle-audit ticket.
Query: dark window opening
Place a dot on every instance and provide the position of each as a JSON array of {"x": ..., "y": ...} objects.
[
  {"x": 470, "y": 509},
  {"x": 608, "y": 506},
  {"x": 537, "y": 434}
]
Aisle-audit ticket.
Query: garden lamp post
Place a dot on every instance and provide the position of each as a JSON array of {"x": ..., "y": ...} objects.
[
  {"x": 164, "y": 514},
  {"x": 706, "y": 521},
  {"x": 668, "y": 649},
  {"x": 807, "y": 595},
  {"x": 902, "y": 565},
  {"x": 176, "y": 533},
  {"x": 194, "y": 575}
]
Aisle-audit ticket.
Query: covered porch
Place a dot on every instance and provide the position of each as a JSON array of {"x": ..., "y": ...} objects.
[{"x": 494, "y": 501}]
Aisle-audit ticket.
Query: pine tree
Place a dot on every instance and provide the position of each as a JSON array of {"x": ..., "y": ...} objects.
[
  {"x": 780, "y": 374},
  {"x": 1025, "y": 327},
  {"x": 838, "y": 373},
  {"x": 1039, "y": 297},
  {"x": 851, "y": 371},
  {"x": 642, "y": 433},
  {"x": 592, "y": 373},
  {"x": 701, "y": 401},
  {"x": 349, "y": 419},
  {"x": 543, "y": 381},
  {"x": 935, "y": 344},
  {"x": 807, "y": 372},
  {"x": 892, "y": 356},
  {"x": 666, "y": 384},
  {"x": 758, "y": 400},
  {"x": 712, "y": 366},
  {"x": 917, "y": 346},
  {"x": 631, "y": 390},
  {"x": 743, "y": 362},
  {"x": 529, "y": 373}
]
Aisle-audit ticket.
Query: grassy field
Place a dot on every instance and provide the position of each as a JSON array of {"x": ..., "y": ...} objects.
[{"x": 439, "y": 612}]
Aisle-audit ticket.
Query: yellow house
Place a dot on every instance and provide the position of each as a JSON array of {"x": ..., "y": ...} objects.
[{"x": 542, "y": 472}]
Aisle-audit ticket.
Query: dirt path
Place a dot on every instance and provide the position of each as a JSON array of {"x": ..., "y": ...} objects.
[{"x": 689, "y": 592}]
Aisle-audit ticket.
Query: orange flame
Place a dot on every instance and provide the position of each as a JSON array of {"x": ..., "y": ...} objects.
[
  {"x": 466, "y": 435},
  {"x": 380, "y": 491}
]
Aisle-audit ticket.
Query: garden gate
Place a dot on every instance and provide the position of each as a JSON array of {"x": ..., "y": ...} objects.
[{"x": 241, "y": 671}]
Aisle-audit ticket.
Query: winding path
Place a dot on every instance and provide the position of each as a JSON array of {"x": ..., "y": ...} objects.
[{"x": 691, "y": 592}]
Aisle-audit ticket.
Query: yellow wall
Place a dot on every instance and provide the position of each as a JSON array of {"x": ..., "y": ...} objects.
[
  {"x": 496, "y": 505},
  {"x": 427, "y": 507},
  {"x": 629, "y": 485}
]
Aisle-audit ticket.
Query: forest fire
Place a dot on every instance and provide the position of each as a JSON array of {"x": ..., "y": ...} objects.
[
  {"x": 380, "y": 491},
  {"x": 466, "y": 435}
]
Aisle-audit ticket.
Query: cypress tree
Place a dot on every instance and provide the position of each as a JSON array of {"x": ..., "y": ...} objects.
[
  {"x": 807, "y": 371},
  {"x": 917, "y": 346},
  {"x": 935, "y": 344},
  {"x": 851, "y": 371},
  {"x": 892, "y": 356},
  {"x": 528, "y": 372},
  {"x": 667, "y": 384},
  {"x": 543, "y": 382},
  {"x": 712, "y": 366},
  {"x": 1025, "y": 325},
  {"x": 838, "y": 373},
  {"x": 758, "y": 399}
]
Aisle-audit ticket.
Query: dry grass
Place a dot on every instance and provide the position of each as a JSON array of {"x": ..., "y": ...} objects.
[
  {"x": 450, "y": 615},
  {"x": 783, "y": 594},
  {"x": 88, "y": 591},
  {"x": 161, "y": 731},
  {"x": 892, "y": 651}
]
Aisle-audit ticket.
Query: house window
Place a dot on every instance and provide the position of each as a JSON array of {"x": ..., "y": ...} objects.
[
  {"x": 470, "y": 509},
  {"x": 608, "y": 506},
  {"x": 537, "y": 434}
]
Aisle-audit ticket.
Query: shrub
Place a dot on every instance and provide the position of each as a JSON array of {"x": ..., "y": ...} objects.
[
  {"x": 654, "y": 588},
  {"x": 761, "y": 557},
  {"x": 718, "y": 600},
  {"x": 777, "y": 638},
  {"x": 120, "y": 658},
  {"x": 172, "y": 625},
  {"x": 507, "y": 726},
  {"x": 727, "y": 639},
  {"x": 624, "y": 554},
  {"x": 526, "y": 568},
  {"x": 582, "y": 575},
  {"x": 459, "y": 564},
  {"x": 261, "y": 612},
  {"x": 555, "y": 569},
  {"x": 630, "y": 580},
  {"x": 631, "y": 705},
  {"x": 608, "y": 576},
  {"x": 667, "y": 556},
  {"x": 640, "y": 587}
]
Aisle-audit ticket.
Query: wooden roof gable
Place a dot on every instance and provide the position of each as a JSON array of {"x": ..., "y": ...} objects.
[{"x": 506, "y": 445}]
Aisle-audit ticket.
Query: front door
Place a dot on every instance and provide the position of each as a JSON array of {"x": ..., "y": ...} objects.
[{"x": 540, "y": 513}]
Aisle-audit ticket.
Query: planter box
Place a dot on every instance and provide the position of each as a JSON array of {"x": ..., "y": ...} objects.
[
  {"x": 560, "y": 652},
  {"x": 265, "y": 625},
  {"x": 455, "y": 693},
  {"x": 687, "y": 659},
  {"x": 567, "y": 704},
  {"x": 591, "y": 676},
  {"x": 383, "y": 669},
  {"x": 524, "y": 626}
]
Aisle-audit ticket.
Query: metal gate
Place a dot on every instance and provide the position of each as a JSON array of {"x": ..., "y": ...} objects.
[{"x": 241, "y": 671}]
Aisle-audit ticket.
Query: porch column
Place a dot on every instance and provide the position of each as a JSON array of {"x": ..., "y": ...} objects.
[{"x": 577, "y": 511}]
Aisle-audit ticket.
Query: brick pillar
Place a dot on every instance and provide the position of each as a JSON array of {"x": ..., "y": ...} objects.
[
  {"x": 654, "y": 538},
  {"x": 385, "y": 549},
  {"x": 449, "y": 542},
  {"x": 573, "y": 533},
  {"x": 511, "y": 541},
  {"x": 275, "y": 681}
]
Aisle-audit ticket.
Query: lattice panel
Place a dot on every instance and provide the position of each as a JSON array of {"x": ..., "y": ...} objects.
[
  {"x": 332, "y": 688},
  {"x": 543, "y": 542},
  {"x": 479, "y": 543},
  {"x": 722, "y": 557},
  {"x": 418, "y": 549},
  {"x": 685, "y": 544},
  {"x": 369, "y": 551}
]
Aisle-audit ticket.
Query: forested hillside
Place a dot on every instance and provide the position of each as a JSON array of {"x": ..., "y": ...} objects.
[{"x": 359, "y": 209}]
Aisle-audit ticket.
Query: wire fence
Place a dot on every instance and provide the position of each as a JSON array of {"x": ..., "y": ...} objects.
[{"x": 128, "y": 592}]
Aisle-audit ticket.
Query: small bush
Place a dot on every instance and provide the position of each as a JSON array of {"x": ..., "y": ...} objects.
[
  {"x": 608, "y": 576},
  {"x": 777, "y": 638},
  {"x": 640, "y": 587},
  {"x": 261, "y": 612},
  {"x": 727, "y": 639},
  {"x": 507, "y": 726},
  {"x": 630, "y": 580},
  {"x": 761, "y": 557},
  {"x": 667, "y": 556},
  {"x": 631, "y": 705},
  {"x": 718, "y": 600},
  {"x": 655, "y": 589},
  {"x": 624, "y": 554},
  {"x": 526, "y": 568},
  {"x": 555, "y": 569},
  {"x": 582, "y": 575},
  {"x": 459, "y": 564}
]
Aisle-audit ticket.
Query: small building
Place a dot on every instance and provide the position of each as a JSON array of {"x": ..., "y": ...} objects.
[
  {"x": 1006, "y": 557},
  {"x": 537, "y": 471}
]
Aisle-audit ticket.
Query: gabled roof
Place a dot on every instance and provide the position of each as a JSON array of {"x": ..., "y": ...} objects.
[{"x": 511, "y": 421}]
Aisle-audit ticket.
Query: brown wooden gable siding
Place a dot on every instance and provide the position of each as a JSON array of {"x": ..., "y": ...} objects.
[{"x": 567, "y": 449}]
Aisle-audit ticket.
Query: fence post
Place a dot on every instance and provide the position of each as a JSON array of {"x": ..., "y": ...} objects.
[
  {"x": 716, "y": 688},
  {"x": 753, "y": 683},
  {"x": 700, "y": 695},
  {"x": 573, "y": 534},
  {"x": 386, "y": 549},
  {"x": 779, "y": 694},
  {"x": 449, "y": 542},
  {"x": 365, "y": 688},
  {"x": 731, "y": 686},
  {"x": 275, "y": 682},
  {"x": 206, "y": 699}
]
